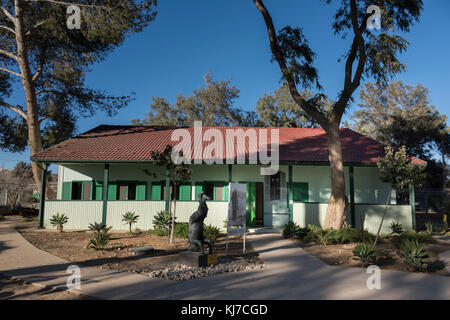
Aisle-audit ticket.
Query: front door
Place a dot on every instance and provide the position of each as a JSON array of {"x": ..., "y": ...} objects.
[{"x": 255, "y": 204}]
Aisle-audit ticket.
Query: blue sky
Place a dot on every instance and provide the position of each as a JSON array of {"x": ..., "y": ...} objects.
[{"x": 228, "y": 38}]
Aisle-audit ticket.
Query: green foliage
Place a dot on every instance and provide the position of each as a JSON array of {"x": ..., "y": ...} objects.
[
  {"x": 396, "y": 228},
  {"x": 159, "y": 232},
  {"x": 414, "y": 254},
  {"x": 365, "y": 253},
  {"x": 101, "y": 239},
  {"x": 130, "y": 218},
  {"x": 318, "y": 235},
  {"x": 97, "y": 227},
  {"x": 162, "y": 220},
  {"x": 290, "y": 229},
  {"x": 400, "y": 115},
  {"x": 181, "y": 229},
  {"x": 429, "y": 227},
  {"x": 211, "y": 233},
  {"x": 421, "y": 237},
  {"x": 63, "y": 58},
  {"x": 397, "y": 169},
  {"x": 213, "y": 103},
  {"x": 59, "y": 221}
]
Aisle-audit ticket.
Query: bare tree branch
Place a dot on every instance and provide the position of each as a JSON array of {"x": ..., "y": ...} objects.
[
  {"x": 17, "y": 109},
  {"x": 8, "y": 14},
  {"x": 36, "y": 26},
  {"x": 7, "y": 29},
  {"x": 11, "y": 72},
  {"x": 279, "y": 57},
  {"x": 8, "y": 54}
]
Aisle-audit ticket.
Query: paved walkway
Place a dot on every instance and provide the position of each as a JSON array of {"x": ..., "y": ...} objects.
[{"x": 291, "y": 273}]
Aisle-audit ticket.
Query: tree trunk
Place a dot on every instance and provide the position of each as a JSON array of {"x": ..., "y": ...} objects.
[
  {"x": 384, "y": 214},
  {"x": 334, "y": 218},
  {"x": 34, "y": 130}
]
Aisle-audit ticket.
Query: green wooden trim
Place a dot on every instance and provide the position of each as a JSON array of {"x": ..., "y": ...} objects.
[
  {"x": 167, "y": 189},
  {"x": 352, "y": 198},
  {"x": 105, "y": 193},
  {"x": 42, "y": 196},
  {"x": 290, "y": 196}
]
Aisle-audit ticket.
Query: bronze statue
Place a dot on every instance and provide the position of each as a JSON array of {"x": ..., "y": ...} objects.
[{"x": 195, "y": 235}]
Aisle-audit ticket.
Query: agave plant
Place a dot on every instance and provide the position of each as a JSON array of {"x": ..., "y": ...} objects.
[
  {"x": 414, "y": 254},
  {"x": 364, "y": 252},
  {"x": 396, "y": 228},
  {"x": 59, "y": 221},
  {"x": 130, "y": 218},
  {"x": 211, "y": 233}
]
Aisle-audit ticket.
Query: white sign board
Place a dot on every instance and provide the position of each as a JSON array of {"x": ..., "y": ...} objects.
[{"x": 237, "y": 204}]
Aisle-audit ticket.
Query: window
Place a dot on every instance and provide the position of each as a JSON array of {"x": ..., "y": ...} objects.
[
  {"x": 215, "y": 190},
  {"x": 300, "y": 191},
  {"x": 275, "y": 186},
  {"x": 77, "y": 187},
  {"x": 77, "y": 190},
  {"x": 131, "y": 191},
  {"x": 183, "y": 192}
]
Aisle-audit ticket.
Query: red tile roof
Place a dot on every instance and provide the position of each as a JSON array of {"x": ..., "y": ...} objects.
[{"x": 108, "y": 143}]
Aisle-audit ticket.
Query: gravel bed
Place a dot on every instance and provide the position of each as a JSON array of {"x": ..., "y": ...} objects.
[{"x": 180, "y": 272}]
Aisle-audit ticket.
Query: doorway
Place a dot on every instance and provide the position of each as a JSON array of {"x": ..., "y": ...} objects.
[{"x": 255, "y": 204}]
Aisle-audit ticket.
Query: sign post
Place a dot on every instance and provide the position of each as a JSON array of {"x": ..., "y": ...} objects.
[{"x": 236, "y": 224}]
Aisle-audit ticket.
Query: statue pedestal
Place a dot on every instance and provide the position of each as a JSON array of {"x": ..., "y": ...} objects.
[{"x": 197, "y": 259}]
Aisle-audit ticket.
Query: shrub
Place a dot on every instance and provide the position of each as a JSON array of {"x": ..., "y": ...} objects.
[
  {"x": 162, "y": 220},
  {"x": 159, "y": 232},
  {"x": 301, "y": 233},
  {"x": 211, "y": 233},
  {"x": 324, "y": 237},
  {"x": 101, "y": 239},
  {"x": 59, "y": 221},
  {"x": 130, "y": 218},
  {"x": 414, "y": 254},
  {"x": 396, "y": 228},
  {"x": 290, "y": 230},
  {"x": 180, "y": 230},
  {"x": 365, "y": 253},
  {"x": 2, "y": 218},
  {"x": 421, "y": 237}
]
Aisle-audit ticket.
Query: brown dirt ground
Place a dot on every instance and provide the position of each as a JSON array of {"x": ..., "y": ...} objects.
[
  {"x": 388, "y": 259},
  {"x": 71, "y": 245},
  {"x": 14, "y": 289}
]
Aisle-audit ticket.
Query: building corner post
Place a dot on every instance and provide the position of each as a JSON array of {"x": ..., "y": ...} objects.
[
  {"x": 167, "y": 189},
  {"x": 412, "y": 202},
  {"x": 290, "y": 196},
  {"x": 352, "y": 197},
  {"x": 105, "y": 193},
  {"x": 42, "y": 196}
]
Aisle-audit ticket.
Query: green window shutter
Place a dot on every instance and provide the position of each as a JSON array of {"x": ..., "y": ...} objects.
[
  {"x": 185, "y": 192},
  {"x": 156, "y": 191},
  {"x": 198, "y": 189},
  {"x": 300, "y": 191},
  {"x": 225, "y": 192},
  {"x": 67, "y": 191},
  {"x": 141, "y": 189},
  {"x": 112, "y": 191},
  {"x": 98, "y": 190}
]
